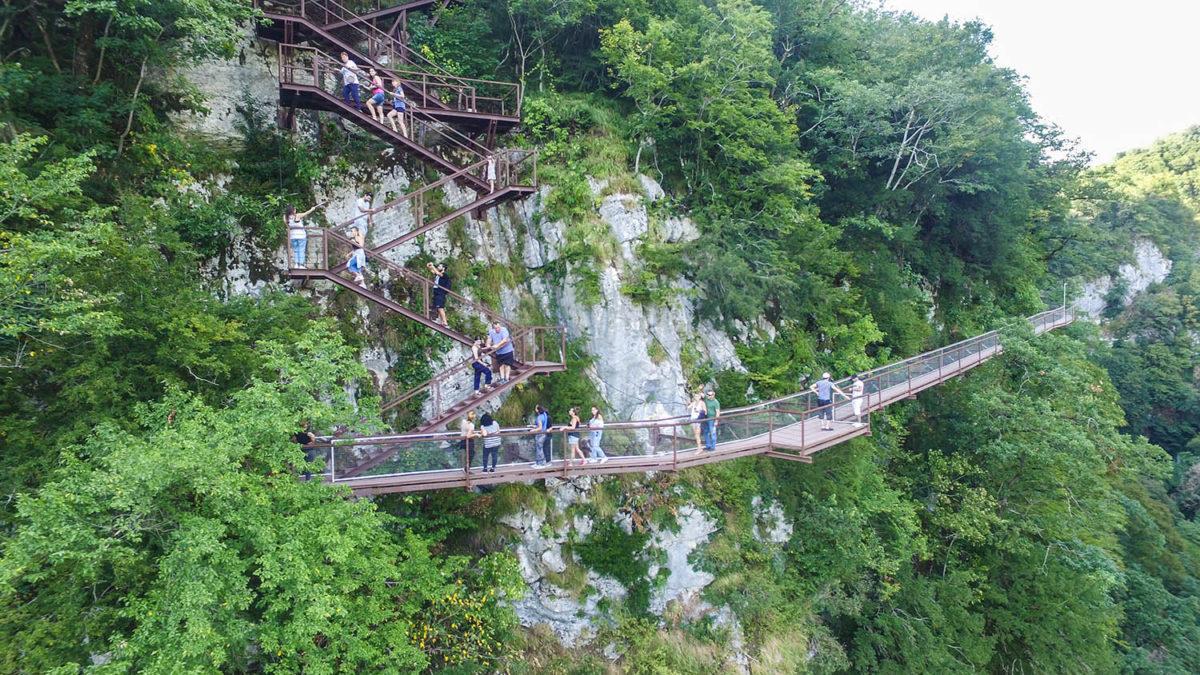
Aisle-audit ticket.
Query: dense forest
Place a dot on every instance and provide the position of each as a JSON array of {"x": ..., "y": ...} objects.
[{"x": 869, "y": 183}]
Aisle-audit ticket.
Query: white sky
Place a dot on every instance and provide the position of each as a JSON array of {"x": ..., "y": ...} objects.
[{"x": 1116, "y": 75}]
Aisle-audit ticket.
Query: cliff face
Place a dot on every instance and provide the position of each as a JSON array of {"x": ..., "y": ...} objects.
[{"x": 1150, "y": 267}]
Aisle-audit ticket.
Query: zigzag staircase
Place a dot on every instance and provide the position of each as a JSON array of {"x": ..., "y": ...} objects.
[
  {"x": 458, "y": 118},
  {"x": 452, "y": 110},
  {"x": 539, "y": 349}
]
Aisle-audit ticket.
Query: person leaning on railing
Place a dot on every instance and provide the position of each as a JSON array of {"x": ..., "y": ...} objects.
[
  {"x": 825, "y": 389},
  {"x": 297, "y": 235}
]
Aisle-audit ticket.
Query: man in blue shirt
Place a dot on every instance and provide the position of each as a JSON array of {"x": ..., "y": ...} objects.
[
  {"x": 500, "y": 344},
  {"x": 825, "y": 389},
  {"x": 541, "y": 446}
]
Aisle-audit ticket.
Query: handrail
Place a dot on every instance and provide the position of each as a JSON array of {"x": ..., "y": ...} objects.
[
  {"x": 321, "y": 66},
  {"x": 318, "y": 12},
  {"x": 506, "y": 174},
  {"x": 326, "y": 236},
  {"x": 525, "y": 354},
  {"x": 909, "y": 364},
  {"x": 434, "y": 460}
]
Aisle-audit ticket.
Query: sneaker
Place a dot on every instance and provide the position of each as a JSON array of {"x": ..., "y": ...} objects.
[{"x": 603, "y": 459}]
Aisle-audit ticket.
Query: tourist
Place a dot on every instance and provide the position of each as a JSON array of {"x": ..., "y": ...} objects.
[
  {"x": 441, "y": 284},
  {"x": 857, "y": 388},
  {"x": 375, "y": 103},
  {"x": 500, "y": 343},
  {"x": 399, "y": 105},
  {"x": 357, "y": 262},
  {"x": 596, "y": 424},
  {"x": 480, "y": 368},
  {"x": 573, "y": 438},
  {"x": 363, "y": 219},
  {"x": 541, "y": 441},
  {"x": 490, "y": 430},
  {"x": 466, "y": 428},
  {"x": 698, "y": 412},
  {"x": 305, "y": 437},
  {"x": 491, "y": 173},
  {"x": 825, "y": 389},
  {"x": 350, "y": 73},
  {"x": 297, "y": 235},
  {"x": 712, "y": 410}
]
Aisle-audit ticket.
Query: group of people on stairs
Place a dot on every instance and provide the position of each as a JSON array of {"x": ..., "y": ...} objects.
[
  {"x": 375, "y": 108},
  {"x": 400, "y": 105}
]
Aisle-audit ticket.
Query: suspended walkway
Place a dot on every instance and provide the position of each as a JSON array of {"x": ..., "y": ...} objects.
[{"x": 785, "y": 428}]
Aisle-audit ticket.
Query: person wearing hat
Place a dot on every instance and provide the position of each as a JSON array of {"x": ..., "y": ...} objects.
[{"x": 825, "y": 389}]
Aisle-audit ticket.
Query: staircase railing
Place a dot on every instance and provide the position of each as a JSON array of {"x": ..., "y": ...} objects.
[
  {"x": 415, "y": 290},
  {"x": 470, "y": 94},
  {"x": 510, "y": 172},
  {"x": 533, "y": 344},
  {"x": 311, "y": 67}
]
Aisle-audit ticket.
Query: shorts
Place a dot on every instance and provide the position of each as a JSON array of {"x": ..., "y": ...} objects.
[
  {"x": 397, "y": 110},
  {"x": 572, "y": 439},
  {"x": 506, "y": 359},
  {"x": 378, "y": 98},
  {"x": 439, "y": 301}
]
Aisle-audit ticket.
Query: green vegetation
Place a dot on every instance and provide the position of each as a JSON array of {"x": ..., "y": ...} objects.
[{"x": 866, "y": 183}]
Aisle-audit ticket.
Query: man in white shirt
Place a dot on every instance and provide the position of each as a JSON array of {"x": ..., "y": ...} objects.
[
  {"x": 362, "y": 213},
  {"x": 350, "y": 81}
]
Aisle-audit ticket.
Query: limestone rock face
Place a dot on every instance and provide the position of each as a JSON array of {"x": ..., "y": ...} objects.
[
  {"x": 252, "y": 78},
  {"x": 684, "y": 583},
  {"x": 1150, "y": 267}
]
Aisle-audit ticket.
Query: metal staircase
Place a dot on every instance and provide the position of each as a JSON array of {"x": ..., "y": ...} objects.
[
  {"x": 453, "y": 123},
  {"x": 459, "y": 118},
  {"x": 538, "y": 350}
]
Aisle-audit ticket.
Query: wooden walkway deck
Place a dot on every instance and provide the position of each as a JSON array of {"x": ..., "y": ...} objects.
[{"x": 786, "y": 428}]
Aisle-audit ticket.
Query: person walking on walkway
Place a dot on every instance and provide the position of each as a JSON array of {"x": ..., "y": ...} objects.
[
  {"x": 466, "y": 428},
  {"x": 441, "y": 284},
  {"x": 541, "y": 440},
  {"x": 490, "y": 430},
  {"x": 573, "y": 438},
  {"x": 825, "y": 389},
  {"x": 297, "y": 235},
  {"x": 481, "y": 369},
  {"x": 350, "y": 74},
  {"x": 698, "y": 412},
  {"x": 712, "y": 410},
  {"x": 357, "y": 262},
  {"x": 490, "y": 172},
  {"x": 596, "y": 424},
  {"x": 500, "y": 343},
  {"x": 857, "y": 389},
  {"x": 399, "y": 105}
]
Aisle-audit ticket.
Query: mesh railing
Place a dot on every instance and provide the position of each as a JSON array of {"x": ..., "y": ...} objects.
[{"x": 665, "y": 443}]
